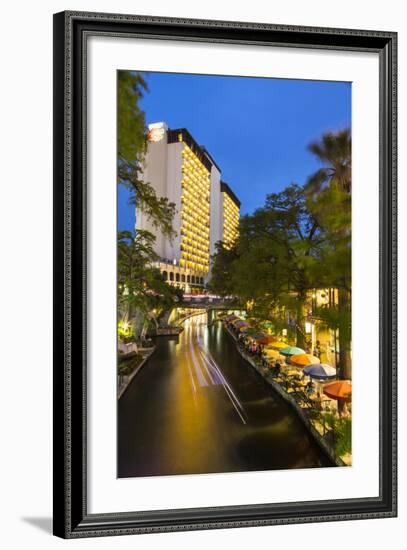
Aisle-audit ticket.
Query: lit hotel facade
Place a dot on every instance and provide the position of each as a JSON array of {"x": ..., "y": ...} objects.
[{"x": 207, "y": 210}]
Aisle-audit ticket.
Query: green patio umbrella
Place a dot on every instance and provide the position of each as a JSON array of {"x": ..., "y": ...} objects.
[{"x": 291, "y": 350}]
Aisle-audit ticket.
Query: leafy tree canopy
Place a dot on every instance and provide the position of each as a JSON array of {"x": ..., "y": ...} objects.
[
  {"x": 334, "y": 152},
  {"x": 131, "y": 149},
  {"x": 140, "y": 285}
]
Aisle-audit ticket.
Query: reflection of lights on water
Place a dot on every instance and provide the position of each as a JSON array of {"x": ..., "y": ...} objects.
[{"x": 218, "y": 333}]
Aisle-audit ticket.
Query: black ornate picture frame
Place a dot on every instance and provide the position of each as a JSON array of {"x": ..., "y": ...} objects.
[{"x": 71, "y": 517}]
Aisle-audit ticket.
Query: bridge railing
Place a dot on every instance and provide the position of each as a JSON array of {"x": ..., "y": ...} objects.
[{"x": 210, "y": 302}]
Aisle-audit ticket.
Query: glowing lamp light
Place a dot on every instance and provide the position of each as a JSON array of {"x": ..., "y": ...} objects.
[
  {"x": 308, "y": 327},
  {"x": 284, "y": 332}
]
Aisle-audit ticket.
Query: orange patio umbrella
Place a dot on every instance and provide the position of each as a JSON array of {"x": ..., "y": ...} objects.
[
  {"x": 304, "y": 359},
  {"x": 341, "y": 390}
]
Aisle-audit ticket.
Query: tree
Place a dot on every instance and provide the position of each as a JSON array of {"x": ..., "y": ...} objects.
[
  {"x": 131, "y": 149},
  {"x": 334, "y": 151},
  {"x": 341, "y": 430},
  {"x": 271, "y": 263},
  {"x": 300, "y": 240},
  {"x": 130, "y": 117},
  {"x": 329, "y": 200},
  {"x": 294, "y": 240},
  {"x": 141, "y": 287},
  {"x": 222, "y": 268}
]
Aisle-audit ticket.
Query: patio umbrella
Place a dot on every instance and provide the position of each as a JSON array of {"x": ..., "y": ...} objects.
[
  {"x": 291, "y": 350},
  {"x": 278, "y": 345},
  {"x": 303, "y": 359},
  {"x": 265, "y": 340},
  {"x": 321, "y": 371},
  {"x": 341, "y": 390}
]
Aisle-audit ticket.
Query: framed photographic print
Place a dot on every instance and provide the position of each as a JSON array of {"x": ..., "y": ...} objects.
[{"x": 224, "y": 274}]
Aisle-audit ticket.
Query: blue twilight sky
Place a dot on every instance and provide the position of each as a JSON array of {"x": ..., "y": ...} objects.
[{"x": 256, "y": 129}]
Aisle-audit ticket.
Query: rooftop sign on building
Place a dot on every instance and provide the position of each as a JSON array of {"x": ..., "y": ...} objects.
[{"x": 156, "y": 131}]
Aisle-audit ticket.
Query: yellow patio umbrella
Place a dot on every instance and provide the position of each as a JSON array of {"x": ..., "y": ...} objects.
[
  {"x": 278, "y": 345},
  {"x": 304, "y": 359}
]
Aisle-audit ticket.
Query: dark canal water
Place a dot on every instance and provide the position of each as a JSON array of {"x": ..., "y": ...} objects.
[{"x": 198, "y": 407}]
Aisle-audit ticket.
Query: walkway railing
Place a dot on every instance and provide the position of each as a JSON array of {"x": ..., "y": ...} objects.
[{"x": 210, "y": 303}]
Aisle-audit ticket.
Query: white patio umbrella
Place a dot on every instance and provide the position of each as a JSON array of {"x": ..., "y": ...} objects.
[{"x": 321, "y": 371}]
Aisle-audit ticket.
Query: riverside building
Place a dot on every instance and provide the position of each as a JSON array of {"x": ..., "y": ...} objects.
[{"x": 207, "y": 210}]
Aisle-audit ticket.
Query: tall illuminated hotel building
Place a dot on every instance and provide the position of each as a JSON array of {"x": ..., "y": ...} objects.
[{"x": 207, "y": 210}]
